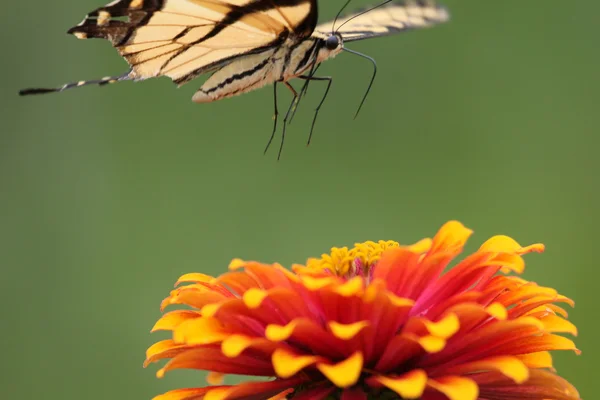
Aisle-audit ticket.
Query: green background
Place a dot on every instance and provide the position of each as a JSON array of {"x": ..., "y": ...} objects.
[{"x": 109, "y": 194}]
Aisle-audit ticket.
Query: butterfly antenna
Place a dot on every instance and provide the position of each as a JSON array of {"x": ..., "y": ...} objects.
[
  {"x": 101, "y": 82},
  {"x": 338, "y": 15},
  {"x": 372, "y": 77},
  {"x": 362, "y": 12}
]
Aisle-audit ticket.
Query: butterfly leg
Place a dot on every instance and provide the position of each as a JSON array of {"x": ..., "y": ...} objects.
[
  {"x": 287, "y": 114},
  {"x": 329, "y": 82},
  {"x": 275, "y": 117},
  {"x": 304, "y": 89}
]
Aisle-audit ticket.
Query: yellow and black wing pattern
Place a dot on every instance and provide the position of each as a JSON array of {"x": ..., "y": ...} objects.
[
  {"x": 393, "y": 17},
  {"x": 184, "y": 38}
]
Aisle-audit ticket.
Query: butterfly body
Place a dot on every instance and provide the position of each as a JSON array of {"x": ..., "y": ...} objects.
[{"x": 290, "y": 60}]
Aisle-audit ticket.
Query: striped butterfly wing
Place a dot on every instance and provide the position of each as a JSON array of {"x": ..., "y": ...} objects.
[
  {"x": 184, "y": 38},
  {"x": 396, "y": 16}
]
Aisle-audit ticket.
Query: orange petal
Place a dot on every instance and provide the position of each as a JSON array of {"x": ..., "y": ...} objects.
[
  {"x": 408, "y": 386},
  {"x": 251, "y": 390},
  {"x": 163, "y": 349},
  {"x": 212, "y": 359},
  {"x": 238, "y": 281},
  {"x": 541, "y": 384},
  {"x": 455, "y": 387},
  {"x": 345, "y": 373},
  {"x": 195, "y": 296},
  {"x": 511, "y": 367},
  {"x": 287, "y": 364},
  {"x": 347, "y": 331},
  {"x": 549, "y": 342},
  {"x": 183, "y": 394}
]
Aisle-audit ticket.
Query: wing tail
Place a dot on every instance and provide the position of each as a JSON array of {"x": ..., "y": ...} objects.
[{"x": 100, "y": 82}]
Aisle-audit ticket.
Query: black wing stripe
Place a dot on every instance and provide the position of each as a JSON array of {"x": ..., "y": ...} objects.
[
  {"x": 309, "y": 56},
  {"x": 212, "y": 66},
  {"x": 238, "y": 76}
]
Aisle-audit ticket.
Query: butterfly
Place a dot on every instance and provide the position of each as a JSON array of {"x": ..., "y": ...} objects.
[{"x": 244, "y": 44}]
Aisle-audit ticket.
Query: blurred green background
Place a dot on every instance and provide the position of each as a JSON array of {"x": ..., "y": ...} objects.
[{"x": 109, "y": 194}]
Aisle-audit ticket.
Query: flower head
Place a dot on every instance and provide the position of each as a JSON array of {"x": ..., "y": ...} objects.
[{"x": 379, "y": 321}]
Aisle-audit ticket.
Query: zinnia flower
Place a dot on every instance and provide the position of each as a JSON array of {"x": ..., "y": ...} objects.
[{"x": 379, "y": 321}]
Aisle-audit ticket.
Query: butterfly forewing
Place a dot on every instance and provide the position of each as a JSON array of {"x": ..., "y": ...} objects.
[
  {"x": 183, "y": 38},
  {"x": 386, "y": 20}
]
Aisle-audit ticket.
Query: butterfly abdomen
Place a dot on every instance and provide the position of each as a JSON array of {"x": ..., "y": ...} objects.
[{"x": 245, "y": 74}]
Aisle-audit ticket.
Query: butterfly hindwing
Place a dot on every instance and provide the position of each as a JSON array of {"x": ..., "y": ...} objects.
[{"x": 395, "y": 17}]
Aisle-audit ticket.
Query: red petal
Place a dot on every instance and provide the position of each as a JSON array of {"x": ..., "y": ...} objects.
[{"x": 353, "y": 394}]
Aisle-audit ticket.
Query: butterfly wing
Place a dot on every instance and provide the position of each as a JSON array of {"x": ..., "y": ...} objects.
[
  {"x": 397, "y": 16},
  {"x": 184, "y": 38}
]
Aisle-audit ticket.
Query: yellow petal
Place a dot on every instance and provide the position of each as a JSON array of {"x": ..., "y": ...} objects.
[
  {"x": 194, "y": 277},
  {"x": 444, "y": 328},
  {"x": 317, "y": 283},
  {"x": 455, "y": 387},
  {"x": 431, "y": 344},
  {"x": 254, "y": 297},
  {"x": 553, "y": 323},
  {"x": 347, "y": 331},
  {"x": 352, "y": 287},
  {"x": 181, "y": 394},
  {"x": 343, "y": 374},
  {"x": 497, "y": 311},
  {"x": 218, "y": 393},
  {"x": 173, "y": 319},
  {"x": 287, "y": 364},
  {"x": 408, "y": 386},
  {"x": 200, "y": 331},
  {"x": 278, "y": 333},
  {"x": 541, "y": 359},
  {"x": 234, "y": 345},
  {"x": 400, "y": 302},
  {"x": 236, "y": 263},
  {"x": 500, "y": 244},
  {"x": 451, "y": 237},
  {"x": 421, "y": 246},
  {"x": 215, "y": 378},
  {"x": 511, "y": 367},
  {"x": 210, "y": 310}
]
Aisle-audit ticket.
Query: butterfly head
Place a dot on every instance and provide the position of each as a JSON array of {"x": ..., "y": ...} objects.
[
  {"x": 333, "y": 41},
  {"x": 330, "y": 46}
]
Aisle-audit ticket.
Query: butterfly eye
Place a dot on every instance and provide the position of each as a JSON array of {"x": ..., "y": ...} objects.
[{"x": 332, "y": 42}]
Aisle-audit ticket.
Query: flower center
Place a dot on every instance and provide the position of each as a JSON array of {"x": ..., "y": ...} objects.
[{"x": 357, "y": 261}]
